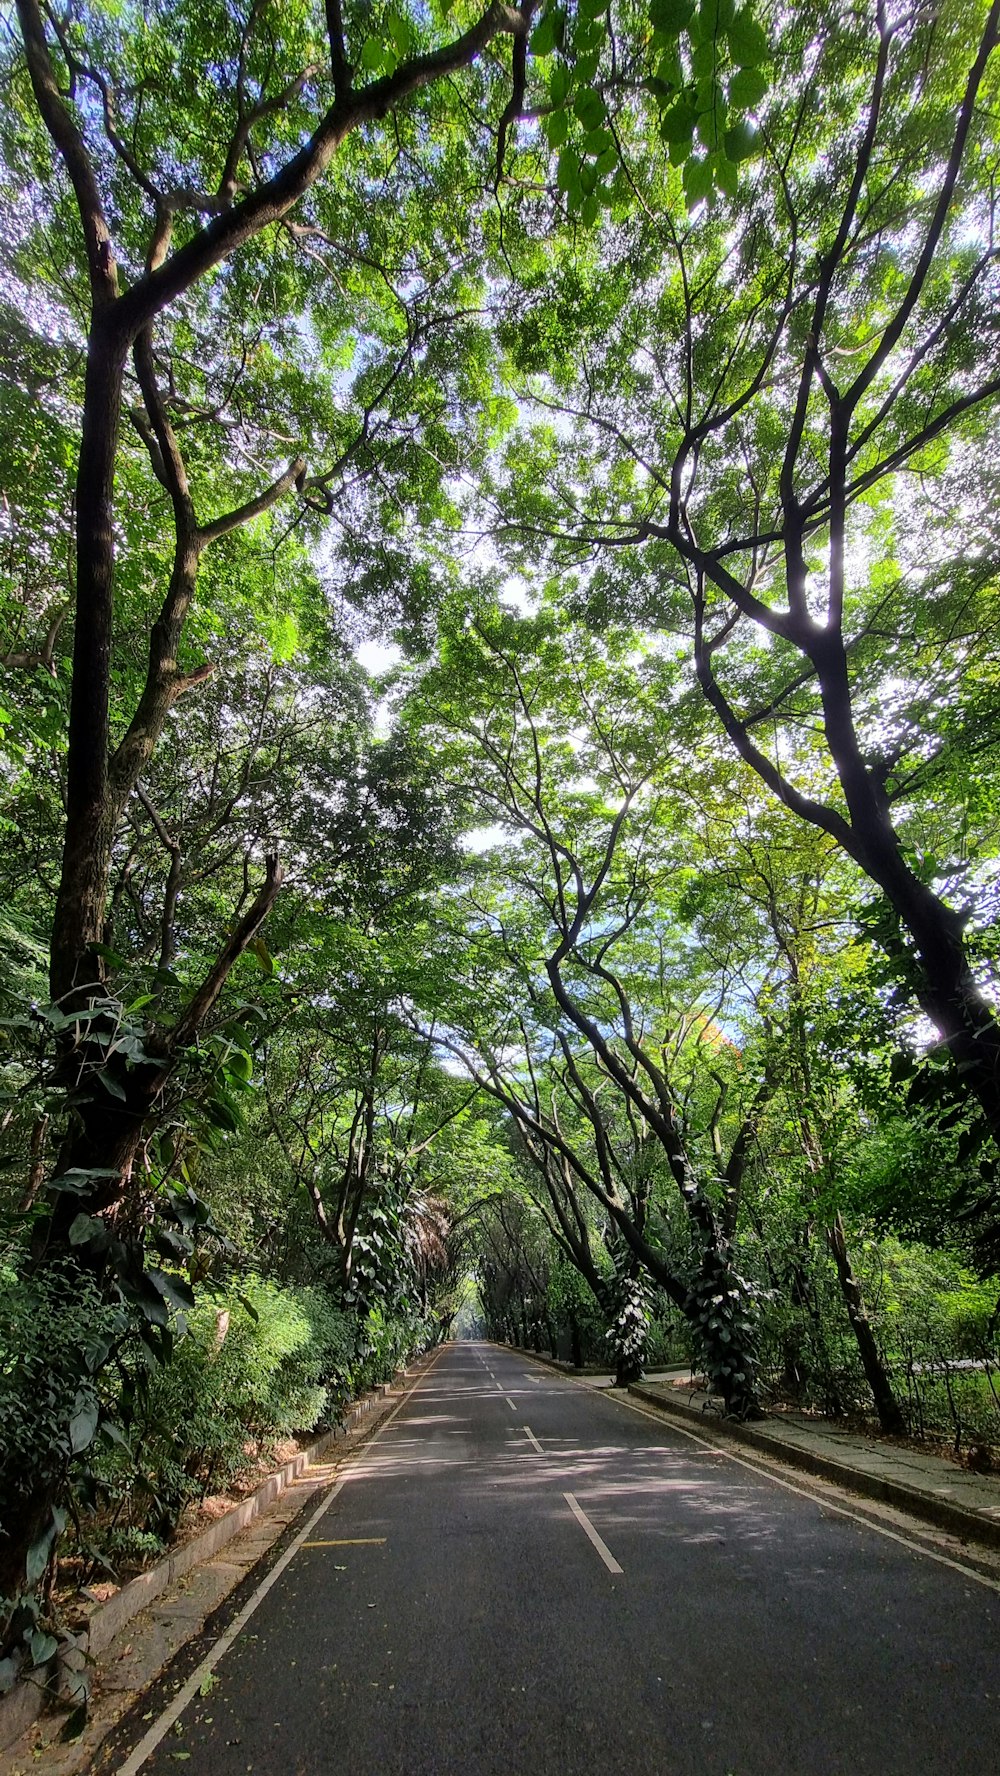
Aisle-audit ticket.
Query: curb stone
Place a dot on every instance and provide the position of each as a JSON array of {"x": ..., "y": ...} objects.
[{"x": 31, "y": 1696}]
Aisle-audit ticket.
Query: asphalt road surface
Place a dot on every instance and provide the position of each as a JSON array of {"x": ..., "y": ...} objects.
[{"x": 520, "y": 1577}]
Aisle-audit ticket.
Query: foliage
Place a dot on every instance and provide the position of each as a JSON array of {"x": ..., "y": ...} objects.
[
  {"x": 256, "y": 1363},
  {"x": 56, "y": 1337}
]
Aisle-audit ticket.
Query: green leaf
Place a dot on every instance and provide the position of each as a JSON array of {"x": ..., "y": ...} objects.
[
  {"x": 747, "y": 88},
  {"x": 741, "y": 142},
  {"x": 546, "y": 33},
  {"x": 259, "y": 949},
  {"x": 401, "y": 33},
  {"x": 77, "y": 1178},
  {"x": 83, "y": 1424},
  {"x": 84, "y": 1228},
  {"x": 669, "y": 70},
  {"x": 115, "y": 1435},
  {"x": 568, "y": 169},
  {"x": 143, "y": 1000},
  {"x": 148, "y": 1300},
  {"x": 677, "y": 124},
  {"x": 559, "y": 82},
  {"x": 285, "y": 636},
  {"x": 697, "y": 178},
  {"x": 589, "y": 108},
  {"x": 704, "y": 60},
  {"x": 222, "y": 1115},
  {"x": 100, "y": 949},
  {"x": 176, "y": 1292},
  {"x": 589, "y": 36},
  {"x": 598, "y": 142},
  {"x": 373, "y": 56},
  {"x": 75, "y": 1724},
  {"x": 556, "y": 127},
  {"x": 38, "y": 1555},
  {"x": 748, "y": 44},
  {"x": 590, "y": 209},
  {"x": 42, "y": 1647},
  {"x": 670, "y": 16},
  {"x": 712, "y": 119}
]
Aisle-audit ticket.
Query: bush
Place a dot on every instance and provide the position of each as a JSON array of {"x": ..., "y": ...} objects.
[
  {"x": 256, "y": 1363},
  {"x": 55, "y": 1338},
  {"x": 938, "y": 1319},
  {"x": 387, "y": 1342}
]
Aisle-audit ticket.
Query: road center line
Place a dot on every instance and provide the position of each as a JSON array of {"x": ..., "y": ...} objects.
[
  {"x": 602, "y": 1547},
  {"x": 510, "y": 1403},
  {"x": 532, "y": 1439}
]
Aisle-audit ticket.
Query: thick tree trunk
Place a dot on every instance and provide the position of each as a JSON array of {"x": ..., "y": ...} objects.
[
  {"x": 78, "y": 922},
  {"x": 946, "y": 987},
  {"x": 890, "y": 1416}
]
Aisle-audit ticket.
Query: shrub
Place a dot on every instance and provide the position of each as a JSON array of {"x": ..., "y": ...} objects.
[
  {"x": 55, "y": 1337},
  {"x": 254, "y": 1365}
]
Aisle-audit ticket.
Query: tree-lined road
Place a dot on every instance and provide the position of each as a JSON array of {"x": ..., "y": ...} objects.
[{"x": 522, "y": 1575}]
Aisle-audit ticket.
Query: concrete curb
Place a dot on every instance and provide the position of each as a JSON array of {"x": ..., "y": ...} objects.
[
  {"x": 22, "y": 1707},
  {"x": 955, "y": 1519}
]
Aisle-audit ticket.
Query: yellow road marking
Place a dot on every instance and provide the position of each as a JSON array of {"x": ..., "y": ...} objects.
[
  {"x": 187, "y": 1692},
  {"x": 349, "y": 1542}
]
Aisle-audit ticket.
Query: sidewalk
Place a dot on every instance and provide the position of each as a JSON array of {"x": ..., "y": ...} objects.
[{"x": 919, "y": 1483}]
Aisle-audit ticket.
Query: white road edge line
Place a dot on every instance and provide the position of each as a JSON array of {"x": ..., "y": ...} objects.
[
  {"x": 764, "y": 1473},
  {"x": 602, "y": 1547},
  {"x": 187, "y": 1692},
  {"x": 529, "y": 1433}
]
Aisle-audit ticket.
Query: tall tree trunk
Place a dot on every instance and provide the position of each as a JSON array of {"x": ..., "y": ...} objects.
[
  {"x": 890, "y": 1416},
  {"x": 78, "y": 921}
]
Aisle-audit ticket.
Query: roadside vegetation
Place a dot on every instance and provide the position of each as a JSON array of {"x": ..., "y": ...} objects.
[{"x": 499, "y": 725}]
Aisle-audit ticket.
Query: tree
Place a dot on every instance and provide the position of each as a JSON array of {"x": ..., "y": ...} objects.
[
  {"x": 181, "y": 149},
  {"x": 586, "y": 945},
  {"x": 758, "y": 399}
]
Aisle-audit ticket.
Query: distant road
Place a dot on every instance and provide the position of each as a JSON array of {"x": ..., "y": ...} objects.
[{"x": 523, "y": 1577}]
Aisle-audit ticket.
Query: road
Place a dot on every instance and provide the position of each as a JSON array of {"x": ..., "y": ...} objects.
[{"x": 521, "y": 1577}]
